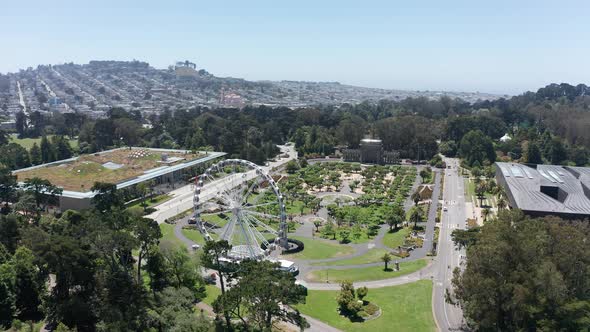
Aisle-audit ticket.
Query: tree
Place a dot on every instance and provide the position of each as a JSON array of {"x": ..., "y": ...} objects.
[
  {"x": 480, "y": 191},
  {"x": 47, "y": 151},
  {"x": 416, "y": 216},
  {"x": 21, "y": 124},
  {"x": 416, "y": 198},
  {"x": 29, "y": 285},
  {"x": 475, "y": 147},
  {"x": 346, "y": 299},
  {"x": 7, "y": 294},
  {"x": 142, "y": 187},
  {"x": 362, "y": 292},
  {"x": 533, "y": 154},
  {"x": 485, "y": 213},
  {"x": 317, "y": 223},
  {"x": 520, "y": 275},
  {"x": 7, "y": 187},
  {"x": 501, "y": 203},
  {"x": 14, "y": 156},
  {"x": 328, "y": 230},
  {"x": 42, "y": 190},
  {"x": 465, "y": 238},
  {"x": 173, "y": 311},
  {"x": 386, "y": 258},
  {"x": 183, "y": 270},
  {"x": 107, "y": 197},
  {"x": 344, "y": 234},
  {"x": 9, "y": 232},
  {"x": 265, "y": 292},
  {"x": 424, "y": 173},
  {"x": 292, "y": 166},
  {"x": 35, "y": 155},
  {"x": 148, "y": 234},
  {"x": 558, "y": 151},
  {"x": 212, "y": 253},
  {"x": 61, "y": 148},
  {"x": 393, "y": 220}
]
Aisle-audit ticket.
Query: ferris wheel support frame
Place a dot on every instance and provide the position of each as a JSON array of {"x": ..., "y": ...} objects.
[{"x": 242, "y": 217}]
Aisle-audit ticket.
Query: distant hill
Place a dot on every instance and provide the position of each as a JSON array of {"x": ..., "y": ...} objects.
[{"x": 99, "y": 85}]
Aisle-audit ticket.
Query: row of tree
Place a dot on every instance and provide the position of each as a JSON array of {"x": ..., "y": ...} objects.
[{"x": 101, "y": 269}]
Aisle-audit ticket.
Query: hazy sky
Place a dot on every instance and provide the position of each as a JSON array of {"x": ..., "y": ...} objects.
[{"x": 492, "y": 46}]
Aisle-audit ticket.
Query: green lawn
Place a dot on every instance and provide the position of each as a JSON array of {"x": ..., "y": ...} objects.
[
  {"x": 212, "y": 293},
  {"x": 404, "y": 308},
  {"x": 469, "y": 190},
  {"x": 365, "y": 274},
  {"x": 396, "y": 239},
  {"x": 152, "y": 201},
  {"x": 320, "y": 249},
  {"x": 168, "y": 234},
  {"x": 194, "y": 235},
  {"x": 27, "y": 143},
  {"x": 294, "y": 208},
  {"x": 215, "y": 219},
  {"x": 372, "y": 256}
]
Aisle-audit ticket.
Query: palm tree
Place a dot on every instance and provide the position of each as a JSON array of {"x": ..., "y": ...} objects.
[
  {"x": 386, "y": 259},
  {"x": 416, "y": 197},
  {"x": 480, "y": 191},
  {"x": 485, "y": 213},
  {"x": 416, "y": 216}
]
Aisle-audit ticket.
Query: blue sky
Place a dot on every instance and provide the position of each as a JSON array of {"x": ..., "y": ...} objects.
[{"x": 493, "y": 46}]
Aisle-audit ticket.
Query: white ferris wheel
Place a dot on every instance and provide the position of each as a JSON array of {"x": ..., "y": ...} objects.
[{"x": 237, "y": 201}]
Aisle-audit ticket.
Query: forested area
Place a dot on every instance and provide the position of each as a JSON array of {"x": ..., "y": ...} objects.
[
  {"x": 101, "y": 269},
  {"x": 525, "y": 274},
  {"x": 549, "y": 126},
  {"x": 107, "y": 269}
]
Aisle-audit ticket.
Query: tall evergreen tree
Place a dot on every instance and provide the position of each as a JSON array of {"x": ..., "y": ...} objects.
[
  {"x": 35, "y": 154},
  {"x": 47, "y": 154}
]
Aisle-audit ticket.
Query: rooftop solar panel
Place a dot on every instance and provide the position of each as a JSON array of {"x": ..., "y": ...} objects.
[
  {"x": 516, "y": 171},
  {"x": 555, "y": 176},
  {"x": 505, "y": 171},
  {"x": 546, "y": 176},
  {"x": 528, "y": 172}
]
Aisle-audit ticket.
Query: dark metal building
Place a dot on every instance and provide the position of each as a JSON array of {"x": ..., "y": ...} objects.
[{"x": 540, "y": 190}]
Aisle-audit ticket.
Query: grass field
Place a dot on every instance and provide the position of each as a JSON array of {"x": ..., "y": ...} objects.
[
  {"x": 27, "y": 143},
  {"x": 404, "y": 308},
  {"x": 194, "y": 235},
  {"x": 81, "y": 174},
  {"x": 469, "y": 190},
  {"x": 396, "y": 239},
  {"x": 294, "y": 208},
  {"x": 151, "y": 201},
  {"x": 372, "y": 256},
  {"x": 212, "y": 293},
  {"x": 168, "y": 234},
  {"x": 320, "y": 249},
  {"x": 365, "y": 274}
]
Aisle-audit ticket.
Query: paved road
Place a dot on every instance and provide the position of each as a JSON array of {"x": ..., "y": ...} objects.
[{"x": 448, "y": 316}]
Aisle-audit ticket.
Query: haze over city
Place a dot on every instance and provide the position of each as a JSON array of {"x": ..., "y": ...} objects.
[{"x": 503, "y": 47}]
